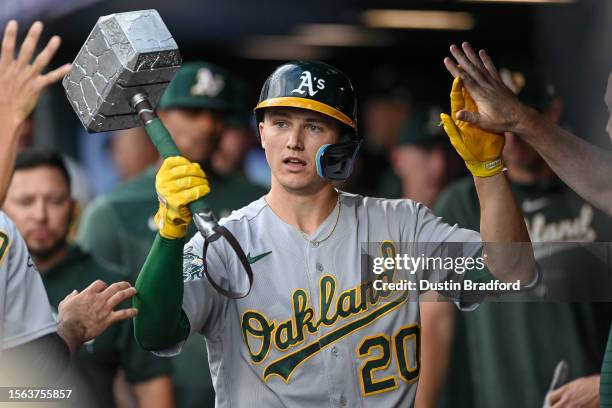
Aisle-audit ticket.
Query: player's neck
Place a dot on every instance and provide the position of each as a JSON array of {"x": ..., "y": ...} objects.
[
  {"x": 43, "y": 264},
  {"x": 425, "y": 195},
  {"x": 305, "y": 212}
]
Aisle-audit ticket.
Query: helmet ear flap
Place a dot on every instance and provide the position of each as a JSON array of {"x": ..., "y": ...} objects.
[{"x": 335, "y": 161}]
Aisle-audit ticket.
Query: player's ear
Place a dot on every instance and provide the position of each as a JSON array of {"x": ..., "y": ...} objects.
[{"x": 261, "y": 134}]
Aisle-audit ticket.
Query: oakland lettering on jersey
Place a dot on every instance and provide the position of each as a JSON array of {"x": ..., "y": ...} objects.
[
  {"x": 260, "y": 333},
  {"x": 577, "y": 229}
]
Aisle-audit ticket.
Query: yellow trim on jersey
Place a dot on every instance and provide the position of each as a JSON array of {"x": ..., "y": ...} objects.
[
  {"x": 5, "y": 243},
  {"x": 305, "y": 103},
  {"x": 299, "y": 333},
  {"x": 416, "y": 342},
  {"x": 250, "y": 314}
]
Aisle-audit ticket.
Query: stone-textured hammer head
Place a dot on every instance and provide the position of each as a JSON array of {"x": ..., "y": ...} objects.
[{"x": 125, "y": 54}]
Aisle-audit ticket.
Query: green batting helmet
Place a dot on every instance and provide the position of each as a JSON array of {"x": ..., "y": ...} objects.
[{"x": 318, "y": 87}]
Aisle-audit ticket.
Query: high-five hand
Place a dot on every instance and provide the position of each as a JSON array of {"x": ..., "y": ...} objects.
[
  {"x": 21, "y": 83},
  {"x": 499, "y": 110},
  {"x": 21, "y": 79}
]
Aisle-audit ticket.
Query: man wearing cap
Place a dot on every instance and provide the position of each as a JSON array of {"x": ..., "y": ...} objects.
[
  {"x": 419, "y": 159},
  {"x": 513, "y": 347},
  {"x": 387, "y": 107},
  {"x": 119, "y": 226},
  {"x": 238, "y": 136}
]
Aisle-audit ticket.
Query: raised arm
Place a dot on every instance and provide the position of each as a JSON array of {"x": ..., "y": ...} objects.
[
  {"x": 508, "y": 251},
  {"x": 21, "y": 83},
  {"x": 161, "y": 323},
  {"x": 584, "y": 167}
]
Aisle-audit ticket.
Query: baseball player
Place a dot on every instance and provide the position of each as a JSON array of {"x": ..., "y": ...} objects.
[
  {"x": 309, "y": 334},
  {"x": 34, "y": 349}
]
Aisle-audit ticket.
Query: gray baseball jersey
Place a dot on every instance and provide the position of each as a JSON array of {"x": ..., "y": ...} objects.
[
  {"x": 25, "y": 313},
  {"x": 310, "y": 334}
]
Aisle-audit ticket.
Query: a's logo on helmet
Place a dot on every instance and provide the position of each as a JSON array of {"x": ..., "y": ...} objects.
[
  {"x": 308, "y": 81},
  {"x": 207, "y": 84}
]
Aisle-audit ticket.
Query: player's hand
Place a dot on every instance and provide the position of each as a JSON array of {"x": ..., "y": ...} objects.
[
  {"x": 21, "y": 79},
  {"x": 178, "y": 183},
  {"x": 85, "y": 315},
  {"x": 580, "y": 393},
  {"x": 481, "y": 150},
  {"x": 498, "y": 109}
]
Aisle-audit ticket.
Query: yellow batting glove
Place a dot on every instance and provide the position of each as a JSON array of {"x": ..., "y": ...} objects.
[
  {"x": 481, "y": 150},
  {"x": 178, "y": 183}
]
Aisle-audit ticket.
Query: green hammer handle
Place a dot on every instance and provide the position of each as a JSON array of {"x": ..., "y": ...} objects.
[
  {"x": 204, "y": 219},
  {"x": 160, "y": 137}
]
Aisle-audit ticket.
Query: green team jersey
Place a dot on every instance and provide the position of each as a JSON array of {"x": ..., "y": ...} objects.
[
  {"x": 513, "y": 348},
  {"x": 93, "y": 371},
  {"x": 120, "y": 228}
]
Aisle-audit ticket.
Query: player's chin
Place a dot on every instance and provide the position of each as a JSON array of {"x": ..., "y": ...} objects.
[
  {"x": 36, "y": 241},
  {"x": 298, "y": 182},
  {"x": 42, "y": 250}
]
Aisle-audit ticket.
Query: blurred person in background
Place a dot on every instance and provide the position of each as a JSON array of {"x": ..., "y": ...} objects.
[
  {"x": 235, "y": 143},
  {"x": 132, "y": 152},
  {"x": 386, "y": 108},
  {"x": 418, "y": 160},
  {"x": 120, "y": 228},
  {"x": 39, "y": 202},
  {"x": 508, "y": 351},
  {"x": 238, "y": 137},
  {"x": 82, "y": 191},
  {"x": 238, "y": 152}
]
